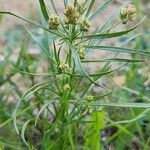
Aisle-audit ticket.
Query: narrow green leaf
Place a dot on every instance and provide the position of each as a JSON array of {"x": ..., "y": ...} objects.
[
  {"x": 109, "y": 35},
  {"x": 29, "y": 92},
  {"x": 43, "y": 108},
  {"x": 31, "y": 22},
  {"x": 44, "y": 10},
  {"x": 24, "y": 129},
  {"x": 35, "y": 74},
  {"x": 87, "y": 86},
  {"x": 118, "y": 49},
  {"x": 80, "y": 67},
  {"x": 90, "y": 7},
  {"x": 103, "y": 27},
  {"x": 130, "y": 39},
  {"x": 134, "y": 92},
  {"x": 40, "y": 45},
  {"x": 17, "y": 115},
  {"x": 119, "y": 104},
  {"x": 92, "y": 138},
  {"x": 111, "y": 60},
  {"x": 108, "y": 22},
  {"x": 101, "y": 73},
  {"x": 65, "y": 3},
  {"x": 100, "y": 9},
  {"x": 141, "y": 115},
  {"x": 54, "y": 7}
]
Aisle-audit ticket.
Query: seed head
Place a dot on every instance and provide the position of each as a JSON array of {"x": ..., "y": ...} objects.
[
  {"x": 71, "y": 15},
  {"x": 128, "y": 13},
  {"x": 84, "y": 25},
  {"x": 53, "y": 22}
]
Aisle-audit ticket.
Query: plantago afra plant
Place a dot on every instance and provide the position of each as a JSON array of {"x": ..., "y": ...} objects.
[{"x": 66, "y": 111}]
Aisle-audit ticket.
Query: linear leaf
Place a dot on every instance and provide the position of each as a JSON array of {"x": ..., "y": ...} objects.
[
  {"x": 17, "y": 115},
  {"x": 29, "y": 92},
  {"x": 24, "y": 129},
  {"x": 109, "y": 35},
  {"x": 111, "y": 60},
  {"x": 141, "y": 115},
  {"x": 102, "y": 73},
  {"x": 130, "y": 39},
  {"x": 118, "y": 49},
  {"x": 119, "y": 104},
  {"x": 54, "y": 7},
  {"x": 65, "y": 2},
  {"x": 80, "y": 67},
  {"x": 31, "y": 22},
  {"x": 108, "y": 22},
  {"x": 39, "y": 43},
  {"x": 100, "y": 10},
  {"x": 90, "y": 7},
  {"x": 44, "y": 10},
  {"x": 43, "y": 108}
]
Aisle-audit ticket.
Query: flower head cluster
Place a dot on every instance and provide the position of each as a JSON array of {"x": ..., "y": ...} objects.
[
  {"x": 67, "y": 87},
  {"x": 53, "y": 22},
  {"x": 64, "y": 68},
  {"x": 84, "y": 25},
  {"x": 127, "y": 13},
  {"x": 71, "y": 15}
]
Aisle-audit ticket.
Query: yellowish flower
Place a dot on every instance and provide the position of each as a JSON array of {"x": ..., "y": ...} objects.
[
  {"x": 53, "y": 22},
  {"x": 127, "y": 13},
  {"x": 67, "y": 87},
  {"x": 64, "y": 68},
  {"x": 71, "y": 15},
  {"x": 84, "y": 25}
]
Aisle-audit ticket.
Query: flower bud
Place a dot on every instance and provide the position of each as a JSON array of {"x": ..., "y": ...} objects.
[
  {"x": 127, "y": 13},
  {"x": 81, "y": 53},
  {"x": 53, "y": 22},
  {"x": 67, "y": 87},
  {"x": 84, "y": 25},
  {"x": 71, "y": 15},
  {"x": 90, "y": 98},
  {"x": 64, "y": 68}
]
